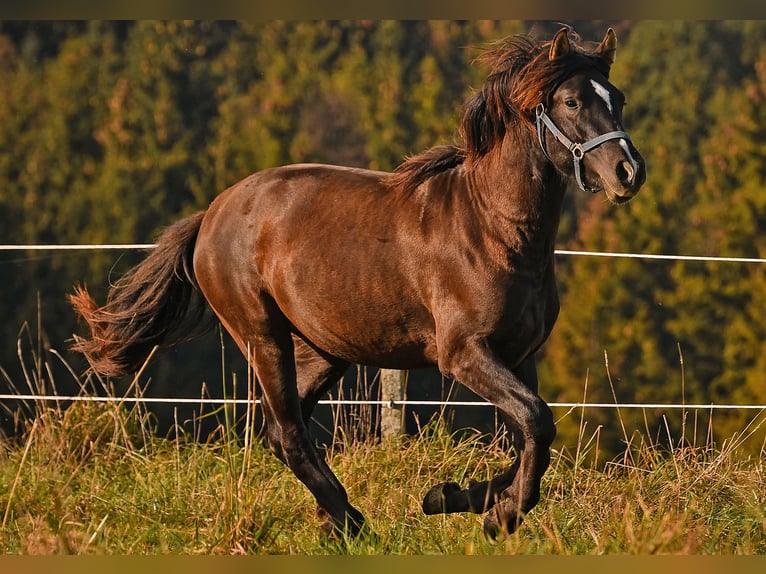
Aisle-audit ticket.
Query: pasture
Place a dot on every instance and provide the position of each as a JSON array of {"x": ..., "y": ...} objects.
[
  {"x": 99, "y": 479},
  {"x": 93, "y": 479}
]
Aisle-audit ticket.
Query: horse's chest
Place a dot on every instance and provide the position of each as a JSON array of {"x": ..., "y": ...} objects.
[{"x": 527, "y": 321}]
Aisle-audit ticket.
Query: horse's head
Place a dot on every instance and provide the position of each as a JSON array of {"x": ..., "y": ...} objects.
[{"x": 579, "y": 122}]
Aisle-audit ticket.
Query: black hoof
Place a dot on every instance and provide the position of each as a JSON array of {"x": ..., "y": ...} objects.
[
  {"x": 328, "y": 531},
  {"x": 494, "y": 530},
  {"x": 335, "y": 536},
  {"x": 353, "y": 527},
  {"x": 444, "y": 498}
]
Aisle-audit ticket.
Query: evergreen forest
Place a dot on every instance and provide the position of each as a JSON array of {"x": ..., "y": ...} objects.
[{"x": 111, "y": 130}]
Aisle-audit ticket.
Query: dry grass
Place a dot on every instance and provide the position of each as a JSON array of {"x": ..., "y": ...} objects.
[
  {"x": 93, "y": 479},
  {"x": 89, "y": 479}
]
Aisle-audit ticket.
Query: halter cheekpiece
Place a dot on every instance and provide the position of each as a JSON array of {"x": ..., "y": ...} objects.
[{"x": 578, "y": 150}]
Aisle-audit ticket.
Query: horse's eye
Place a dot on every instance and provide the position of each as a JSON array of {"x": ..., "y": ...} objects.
[{"x": 570, "y": 103}]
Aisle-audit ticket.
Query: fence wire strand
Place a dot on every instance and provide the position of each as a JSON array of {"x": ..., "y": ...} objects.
[
  {"x": 389, "y": 403},
  {"x": 385, "y": 403}
]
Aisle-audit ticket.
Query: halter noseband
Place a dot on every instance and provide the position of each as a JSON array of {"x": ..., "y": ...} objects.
[{"x": 578, "y": 150}]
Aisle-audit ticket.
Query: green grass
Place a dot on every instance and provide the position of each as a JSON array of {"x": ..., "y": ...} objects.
[{"x": 92, "y": 480}]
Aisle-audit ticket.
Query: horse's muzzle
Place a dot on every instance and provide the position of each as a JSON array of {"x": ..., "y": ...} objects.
[{"x": 630, "y": 172}]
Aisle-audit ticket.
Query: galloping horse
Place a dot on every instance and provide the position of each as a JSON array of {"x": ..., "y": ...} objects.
[{"x": 447, "y": 261}]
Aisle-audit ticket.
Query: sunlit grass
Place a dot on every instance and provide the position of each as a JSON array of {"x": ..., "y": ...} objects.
[
  {"x": 93, "y": 478},
  {"x": 90, "y": 479}
]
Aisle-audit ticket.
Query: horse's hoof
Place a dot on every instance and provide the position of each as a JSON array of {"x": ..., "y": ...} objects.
[
  {"x": 495, "y": 530},
  {"x": 436, "y": 499},
  {"x": 328, "y": 531},
  {"x": 354, "y": 526},
  {"x": 492, "y": 529},
  {"x": 322, "y": 514}
]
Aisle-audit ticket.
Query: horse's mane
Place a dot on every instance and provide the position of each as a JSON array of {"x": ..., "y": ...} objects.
[
  {"x": 521, "y": 77},
  {"x": 419, "y": 168}
]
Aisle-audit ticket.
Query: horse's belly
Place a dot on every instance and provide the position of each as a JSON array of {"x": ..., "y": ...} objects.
[
  {"x": 363, "y": 322},
  {"x": 372, "y": 342}
]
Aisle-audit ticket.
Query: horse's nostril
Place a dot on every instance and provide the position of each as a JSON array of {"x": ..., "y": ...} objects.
[{"x": 625, "y": 172}]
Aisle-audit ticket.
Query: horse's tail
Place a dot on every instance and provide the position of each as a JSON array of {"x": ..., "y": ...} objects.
[{"x": 146, "y": 307}]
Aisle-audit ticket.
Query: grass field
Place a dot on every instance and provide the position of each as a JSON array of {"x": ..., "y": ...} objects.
[{"x": 91, "y": 479}]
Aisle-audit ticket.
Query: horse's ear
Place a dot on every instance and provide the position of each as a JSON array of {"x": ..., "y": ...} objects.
[
  {"x": 608, "y": 47},
  {"x": 559, "y": 45}
]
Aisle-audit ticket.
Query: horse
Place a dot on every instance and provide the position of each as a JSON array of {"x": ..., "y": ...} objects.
[{"x": 447, "y": 261}]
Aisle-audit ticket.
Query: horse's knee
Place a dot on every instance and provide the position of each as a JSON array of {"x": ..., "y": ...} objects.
[
  {"x": 534, "y": 437},
  {"x": 545, "y": 426}
]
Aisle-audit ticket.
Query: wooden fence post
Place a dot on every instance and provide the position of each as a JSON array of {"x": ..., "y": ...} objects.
[{"x": 392, "y": 385}]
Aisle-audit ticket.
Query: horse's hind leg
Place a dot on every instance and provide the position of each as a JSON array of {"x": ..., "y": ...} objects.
[
  {"x": 266, "y": 332},
  {"x": 317, "y": 372}
]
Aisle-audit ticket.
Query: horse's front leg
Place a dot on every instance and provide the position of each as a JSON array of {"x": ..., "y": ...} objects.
[{"x": 510, "y": 495}]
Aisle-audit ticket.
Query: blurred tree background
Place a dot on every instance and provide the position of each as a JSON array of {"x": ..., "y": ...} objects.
[{"x": 112, "y": 130}]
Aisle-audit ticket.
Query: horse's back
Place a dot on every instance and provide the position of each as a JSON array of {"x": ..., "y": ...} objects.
[
  {"x": 285, "y": 189},
  {"x": 325, "y": 244},
  {"x": 288, "y": 200}
]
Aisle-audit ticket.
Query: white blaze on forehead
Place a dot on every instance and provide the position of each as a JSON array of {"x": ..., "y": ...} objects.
[{"x": 603, "y": 93}]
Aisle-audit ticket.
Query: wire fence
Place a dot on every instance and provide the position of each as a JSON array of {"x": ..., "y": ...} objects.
[
  {"x": 382, "y": 403},
  {"x": 372, "y": 402}
]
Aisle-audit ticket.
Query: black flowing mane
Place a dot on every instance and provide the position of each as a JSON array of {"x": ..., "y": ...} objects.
[{"x": 521, "y": 77}]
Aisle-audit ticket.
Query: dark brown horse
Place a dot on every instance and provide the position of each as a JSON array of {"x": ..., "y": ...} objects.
[{"x": 448, "y": 261}]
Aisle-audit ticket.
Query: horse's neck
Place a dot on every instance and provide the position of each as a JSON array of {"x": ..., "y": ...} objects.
[{"x": 522, "y": 196}]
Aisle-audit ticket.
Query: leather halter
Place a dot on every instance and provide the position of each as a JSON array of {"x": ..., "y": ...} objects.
[{"x": 578, "y": 150}]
